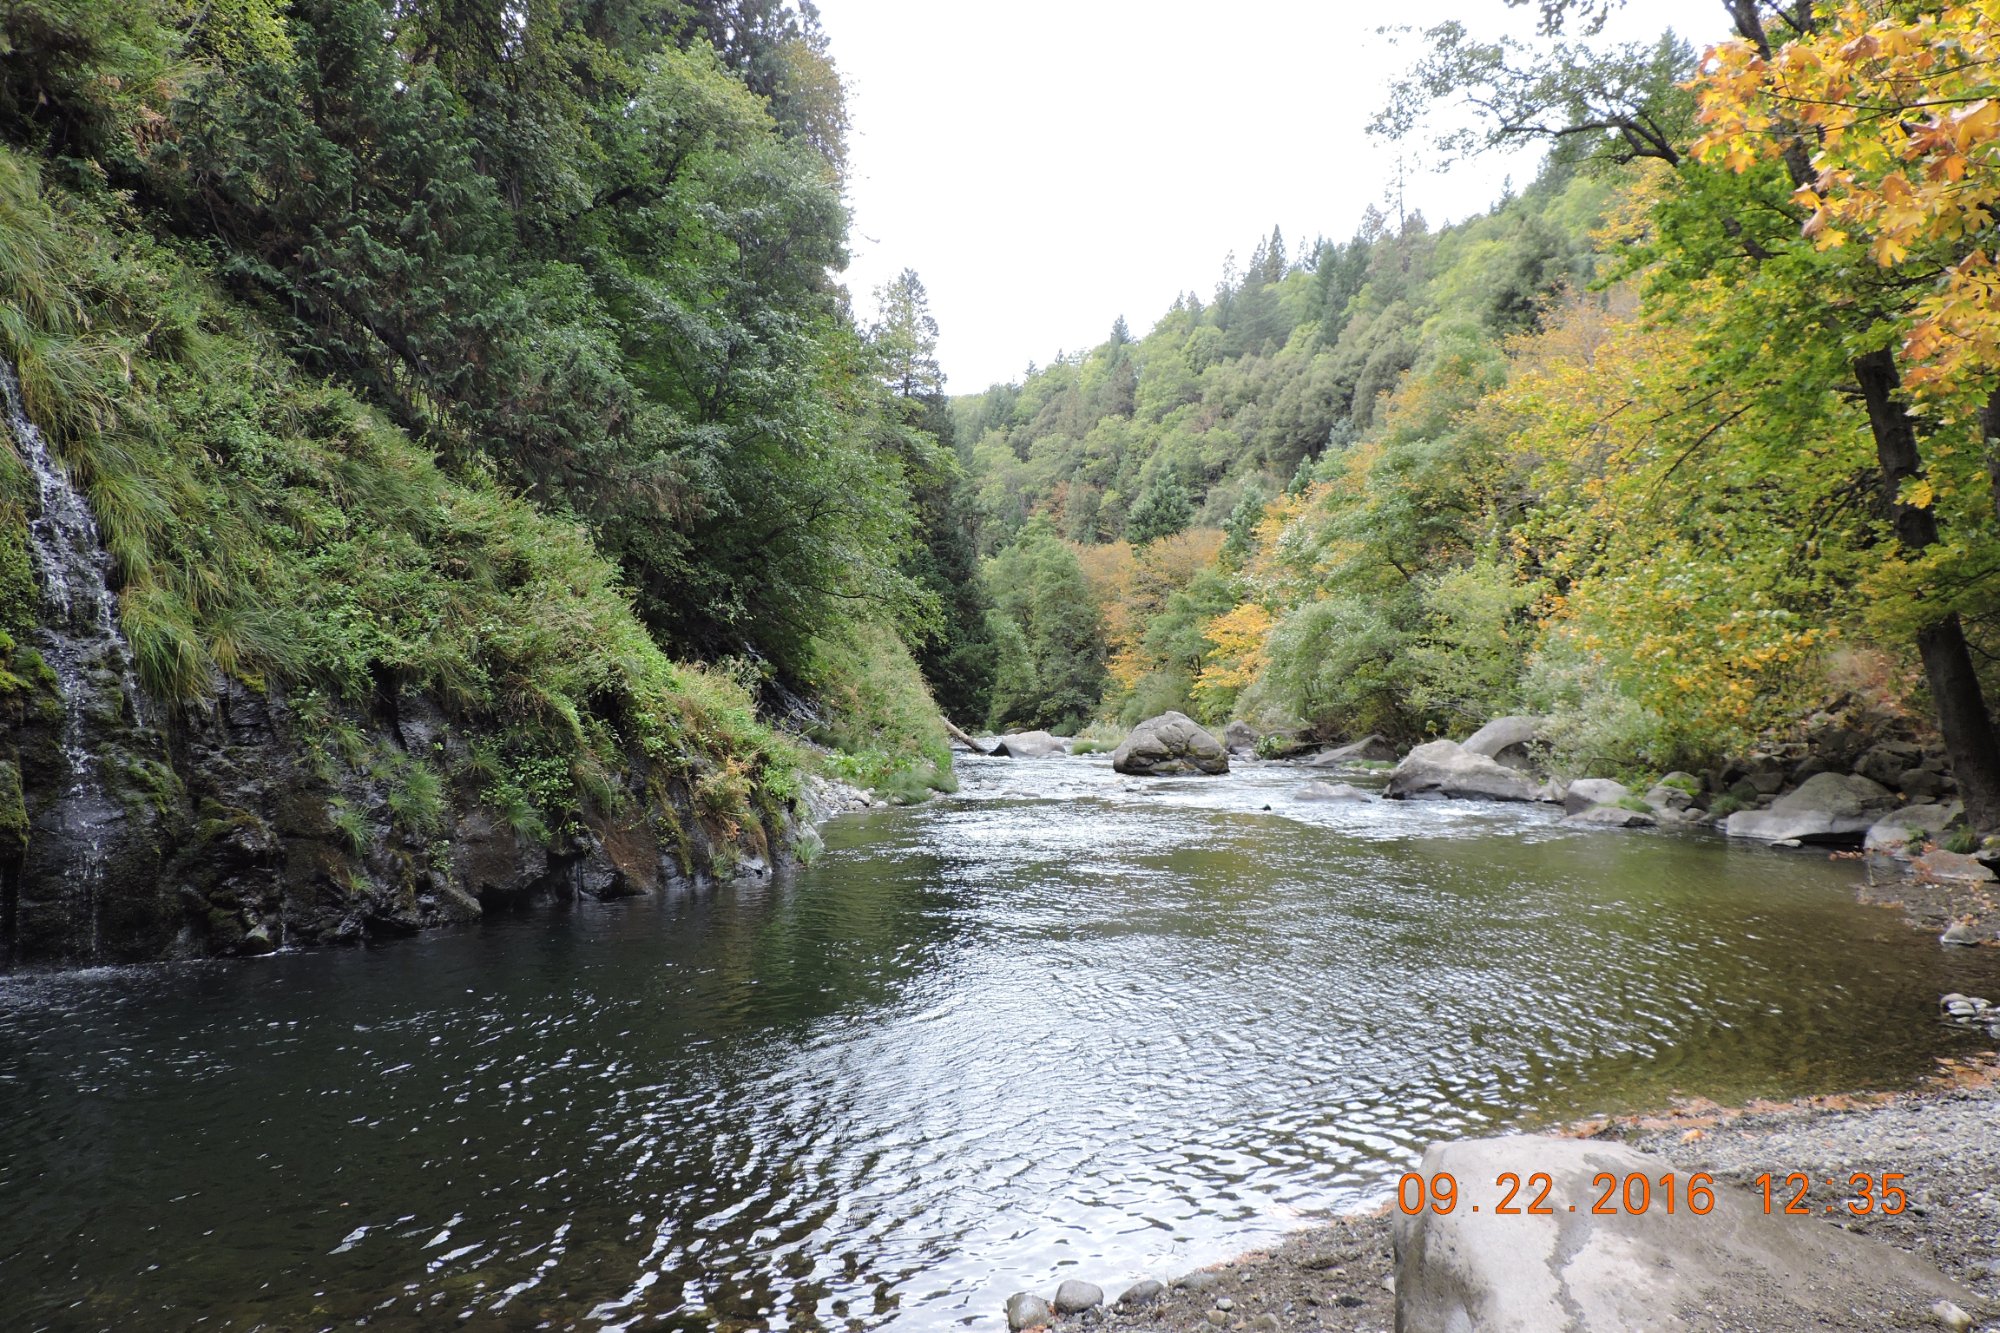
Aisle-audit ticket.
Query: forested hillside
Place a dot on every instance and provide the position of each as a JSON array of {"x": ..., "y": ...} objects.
[
  {"x": 1689, "y": 441},
  {"x": 471, "y": 388}
]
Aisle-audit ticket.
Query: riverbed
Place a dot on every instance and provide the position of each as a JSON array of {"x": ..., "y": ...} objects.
[{"x": 1063, "y": 1023}]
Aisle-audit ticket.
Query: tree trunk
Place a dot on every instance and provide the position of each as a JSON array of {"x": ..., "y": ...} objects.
[
  {"x": 962, "y": 738},
  {"x": 1969, "y": 736}
]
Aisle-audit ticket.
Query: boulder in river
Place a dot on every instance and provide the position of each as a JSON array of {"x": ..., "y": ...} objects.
[
  {"x": 1367, "y": 750},
  {"x": 1505, "y": 740},
  {"x": 1240, "y": 738},
  {"x": 1169, "y": 745},
  {"x": 1445, "y": 768},
  {"x": 1832, "y": 808},
  {"x": 1638, "y": 1267},
  {"x": 1331, "y": 791},
  {"x": 1030, "y": 745},
  {"x": 1586, "y": 792}
]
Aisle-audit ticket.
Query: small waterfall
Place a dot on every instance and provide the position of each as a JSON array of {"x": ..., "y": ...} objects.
[{"x": 81, "y": 642}]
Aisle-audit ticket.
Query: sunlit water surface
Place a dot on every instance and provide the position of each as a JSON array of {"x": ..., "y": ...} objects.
[{"x": 1062, "y": 1024}]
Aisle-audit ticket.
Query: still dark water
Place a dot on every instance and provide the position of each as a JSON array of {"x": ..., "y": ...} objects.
[{"x": 1062, "y": 1024}]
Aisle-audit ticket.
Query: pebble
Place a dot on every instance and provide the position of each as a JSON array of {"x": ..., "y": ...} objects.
[
  {"x": 1027, "y": 1310},
  {"x": 1201, "y": 1280},
  {"x": 1143, "y": 1293},
  {"x": 1074, "y": 1297},
  {"x": 1224, "y": 1303},
  {"x": 1217, "y": 1318},
  {"x": 1266, "y": 1323},
  {"x": 1959, "y": 933},
  {"x": 1951, "y": 1316}
]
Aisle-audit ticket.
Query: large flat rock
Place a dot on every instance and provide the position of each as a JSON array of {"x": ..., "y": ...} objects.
[
  {"x": 1734, "y": 1268},
  {"x": 1445, "y": 768},
  {"x": 1830, "y": 808}
]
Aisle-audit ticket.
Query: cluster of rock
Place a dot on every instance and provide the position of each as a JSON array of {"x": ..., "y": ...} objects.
[
  {"x": 1970, "y": 1011},
  {"x": 1026, "y": 1310}
]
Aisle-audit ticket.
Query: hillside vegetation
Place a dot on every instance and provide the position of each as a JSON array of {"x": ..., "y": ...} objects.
[{"x": 1691, "y": 439}]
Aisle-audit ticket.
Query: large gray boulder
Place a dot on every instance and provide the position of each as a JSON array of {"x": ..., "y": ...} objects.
[
  {"x": 1572, "y": 1270},
  {"x": 1586, "y": 792},
  {"x": 1610, "y": 816},
  {"x": 1446, "y": 768},
  {"x": 1030, "y": 745},
  {"x": 1910, "y": 827},
  {"x": 1170, "y": 744},
  {"x": 1367, "y": 750},
  {"x": 1505, "y": 740},
  {"x": 1240, "y": 737},
  {"x": 1831, "y": 808}
]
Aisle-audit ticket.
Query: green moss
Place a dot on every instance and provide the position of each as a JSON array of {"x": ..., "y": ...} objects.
[{"x": 13, "y": 812}]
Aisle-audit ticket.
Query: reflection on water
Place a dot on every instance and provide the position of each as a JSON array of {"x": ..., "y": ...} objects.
[{"x": 1063, "y": 1022}]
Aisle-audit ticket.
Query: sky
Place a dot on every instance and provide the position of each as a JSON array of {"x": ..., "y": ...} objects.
[{"x": 1049, "y": 165}]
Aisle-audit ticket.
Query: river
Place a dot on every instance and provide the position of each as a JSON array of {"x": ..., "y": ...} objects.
[{"x": 1062, "y": 1024}]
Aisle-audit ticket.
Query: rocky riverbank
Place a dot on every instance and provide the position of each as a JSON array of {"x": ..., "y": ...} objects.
[{"x": 1338, "y": 1275}]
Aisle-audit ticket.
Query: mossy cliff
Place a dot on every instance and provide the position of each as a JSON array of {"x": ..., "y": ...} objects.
[{"x": 373, "y": 693}]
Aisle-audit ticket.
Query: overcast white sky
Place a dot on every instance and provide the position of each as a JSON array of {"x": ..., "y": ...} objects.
[{"x": 1047, "y": 165}]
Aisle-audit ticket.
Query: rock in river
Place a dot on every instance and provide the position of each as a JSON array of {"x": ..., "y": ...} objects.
[
  {"x": 1611, "y": 816},
  {"x": 1583, "y": 1272},
  {"x": 1367, "y": 750},
  {"x": 1167, "y": 745},
  {"x": 1586, "y": 792},
  {"x": 1030, "y": 745},
  {"x": 1240, "y": 738},
  {"x": 1913, "y": 824},
  {"x": 1074, "y": 1297},
  {"x": 1027, "y": 1310},
  {"x": 1331, "y": 791},
  {"x": 1445, "y": 768},
  {"x": 1829, "y": 808}
]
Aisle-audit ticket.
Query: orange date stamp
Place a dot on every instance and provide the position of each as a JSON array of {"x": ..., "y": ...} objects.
[{"x": 1671, "y": 1192}]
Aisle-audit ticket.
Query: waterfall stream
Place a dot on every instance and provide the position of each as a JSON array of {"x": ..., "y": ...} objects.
[{"x": 82, "y": 643}]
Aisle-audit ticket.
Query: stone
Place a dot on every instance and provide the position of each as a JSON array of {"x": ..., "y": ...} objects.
[
  {"x": 1168, "y": 745},
  {"x": 1921, "y": 784},
  {"x": 1445, "y": 768},
  {"x": 1146, "y": 1292},
  {"x": 1331, "y": 791},
  {"x": 1030, "y": 745},
  {"x": 1266, "y": 1323},
  {"x": 1027, "y": 1310},
  {"x": 1505, "y": 740},
  {"x": 1809, "y": 767},
  {"x": 1766, "y": 781},
  {"x": 1887, "y": 762},
  {"x": 1367, "y": 750},
  {"x": 1951, "y": 1317},
  {"x": 257, "y": 939},
  {"x": 1218, "y": 1319},
  {"x": 1960, "y": 932},
  {"x": 1591, "y": 1273},
  {"x": 1664, "y": 799},
  {"x": 1586, "y": 792},
  {"x": 1942, "y": 866},
  {"x": 1239, "y": 738},
  {"x": 1074, "y": 1297},
  {"x": 1831, "y": 808},
  {"x": 1912, "y": 825},
  {"x": 1610, "y": 816},
  {"x": 1200, "y": 1280},
  {"x": 1224, "y": 1304}
]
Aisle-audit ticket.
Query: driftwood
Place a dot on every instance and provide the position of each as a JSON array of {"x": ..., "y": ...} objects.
[{"x": 962, "y": 738}]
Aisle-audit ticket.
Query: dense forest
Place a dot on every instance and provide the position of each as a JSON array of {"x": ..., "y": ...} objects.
[{"x": 1692, "y": 439}]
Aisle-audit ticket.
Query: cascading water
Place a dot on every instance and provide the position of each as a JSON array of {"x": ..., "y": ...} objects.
[{"x": 82, "y": 644}]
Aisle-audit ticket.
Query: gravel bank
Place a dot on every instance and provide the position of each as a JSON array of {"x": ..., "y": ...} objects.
[{"x": 1944, "y": 1138}]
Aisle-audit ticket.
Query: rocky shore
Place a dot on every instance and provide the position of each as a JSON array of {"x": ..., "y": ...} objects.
[{"x": 1338, "y": 1276}]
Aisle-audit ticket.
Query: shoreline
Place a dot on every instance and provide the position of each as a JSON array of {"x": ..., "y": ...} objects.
[{"x": 1336, "y": 1275}]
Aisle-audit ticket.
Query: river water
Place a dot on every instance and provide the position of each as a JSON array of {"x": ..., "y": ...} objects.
[{"x": 1064, "y": 1023}]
